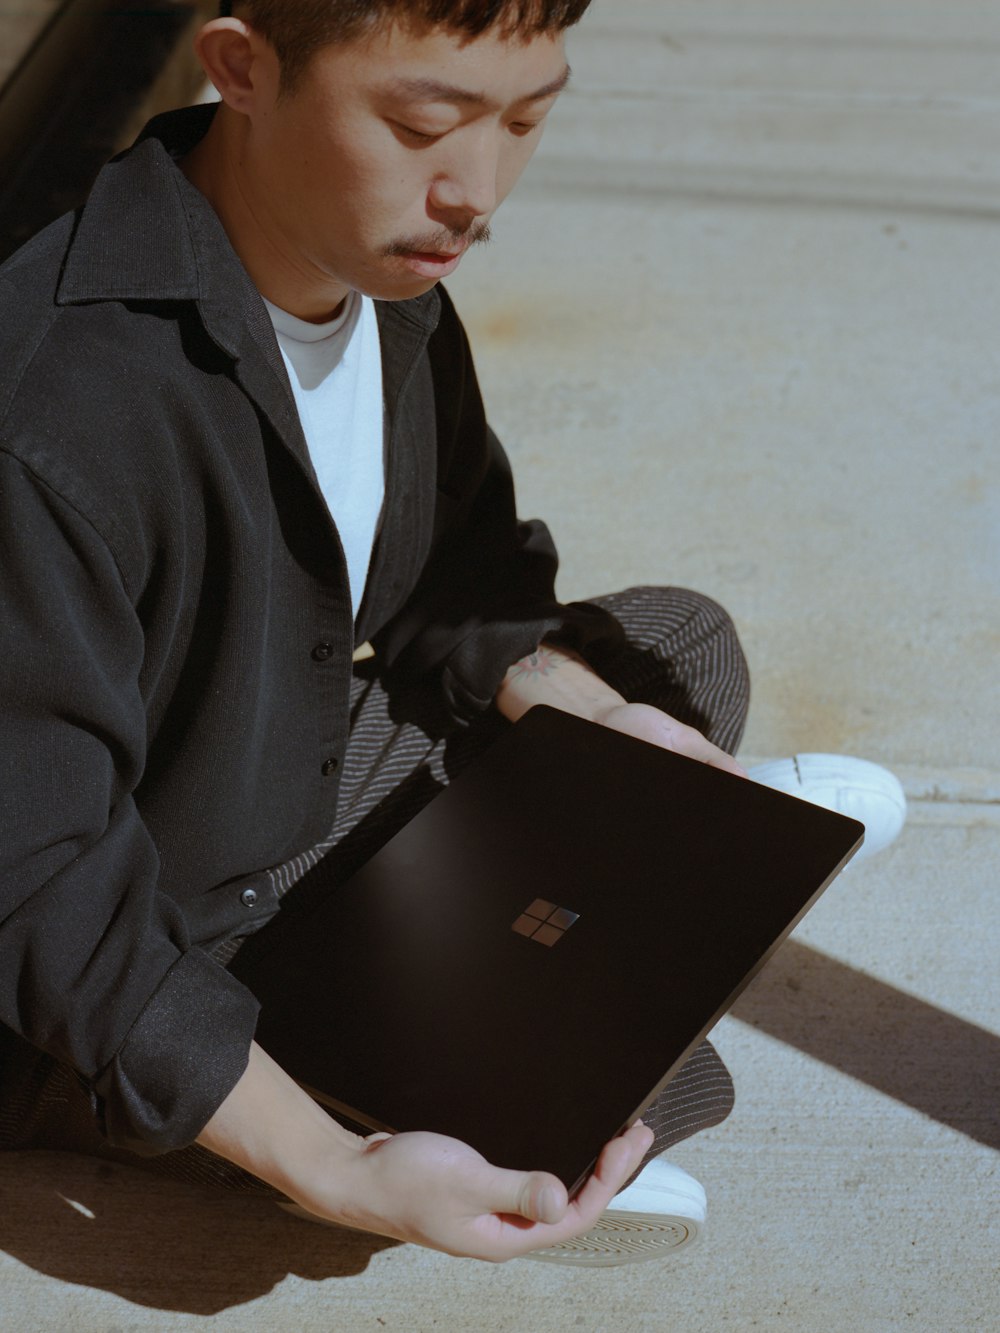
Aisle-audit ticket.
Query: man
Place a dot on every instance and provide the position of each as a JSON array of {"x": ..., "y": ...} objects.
[{"x": 224, "y": 468}]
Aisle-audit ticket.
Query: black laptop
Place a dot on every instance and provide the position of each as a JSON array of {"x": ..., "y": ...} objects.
[{"x": 532, "y": 958}]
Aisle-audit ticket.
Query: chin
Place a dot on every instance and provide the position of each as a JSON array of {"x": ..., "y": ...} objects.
[{"x": 397, "y": 288}]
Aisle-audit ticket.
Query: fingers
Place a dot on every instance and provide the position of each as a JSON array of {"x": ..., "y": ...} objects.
[
  {"x": 689, "y": 741},
  {"x": 651, "y": 724},
  {"x": 716, "y": 758},
  {"x": 618, "y": 1161},
  {"x": 539, "y": 1197},
  {"x": 622, "y": 1156}
]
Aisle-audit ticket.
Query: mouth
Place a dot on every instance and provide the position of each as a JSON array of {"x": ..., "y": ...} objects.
[
  {"x": 436, "y": 263},
  {"x": 433, "y": 263}
]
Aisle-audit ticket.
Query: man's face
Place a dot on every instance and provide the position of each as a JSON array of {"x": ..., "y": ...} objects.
[{"x": 392, "y": 153}]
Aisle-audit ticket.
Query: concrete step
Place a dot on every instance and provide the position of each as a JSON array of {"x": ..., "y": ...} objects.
[{"x": 895, "y": 105}]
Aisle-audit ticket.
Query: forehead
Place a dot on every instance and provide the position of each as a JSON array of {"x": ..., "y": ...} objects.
[{"x": 438, "y": 64}]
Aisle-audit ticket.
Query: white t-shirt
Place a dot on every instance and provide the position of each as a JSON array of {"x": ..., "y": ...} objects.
[{"x": 335, "y": 371}]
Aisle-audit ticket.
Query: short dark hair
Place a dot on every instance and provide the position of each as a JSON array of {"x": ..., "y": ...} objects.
[{"x": 298, "y": 28}]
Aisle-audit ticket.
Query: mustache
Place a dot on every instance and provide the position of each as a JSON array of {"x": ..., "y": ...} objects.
[{"x": 443, "y": 242}]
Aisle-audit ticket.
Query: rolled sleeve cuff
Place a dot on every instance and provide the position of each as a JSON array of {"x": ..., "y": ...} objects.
[
  {"x": 474, "y": 670},
  {"x": 183, "y": 1056}
]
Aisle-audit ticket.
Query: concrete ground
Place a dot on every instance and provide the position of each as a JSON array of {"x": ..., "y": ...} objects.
[{"x": 738, "y": 330}]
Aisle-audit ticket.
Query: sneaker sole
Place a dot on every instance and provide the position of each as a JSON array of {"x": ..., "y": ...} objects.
[
  {"x": 628, "y": 1239},
  {"x": 612, "y": 1242}
]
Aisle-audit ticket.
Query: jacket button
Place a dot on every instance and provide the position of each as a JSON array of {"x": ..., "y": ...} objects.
[
  {"x": 248, "y": 897},
  {"x": 322, "y": 652},
  {"x": 330, "y": 767}
]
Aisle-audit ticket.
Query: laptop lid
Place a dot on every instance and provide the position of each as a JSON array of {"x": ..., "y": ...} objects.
[{"x": 529, "y": 961}]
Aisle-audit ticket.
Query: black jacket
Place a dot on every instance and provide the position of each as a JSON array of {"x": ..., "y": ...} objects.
[{"x": 177, "y": 630}]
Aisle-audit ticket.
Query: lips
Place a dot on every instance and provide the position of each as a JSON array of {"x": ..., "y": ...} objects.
[
  {"x": 437, "y": 256},
  {"x": 432, "y": 263}
]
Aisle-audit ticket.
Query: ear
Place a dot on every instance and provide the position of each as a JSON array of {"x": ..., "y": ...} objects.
[{"x": 238, "y": 62}]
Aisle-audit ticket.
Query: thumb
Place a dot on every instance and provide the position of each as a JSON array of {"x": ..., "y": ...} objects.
[{"x": 535, "y": 1195}]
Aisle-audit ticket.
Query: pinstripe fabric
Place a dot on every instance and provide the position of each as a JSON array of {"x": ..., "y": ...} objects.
[{"x": 683, "y": 656}]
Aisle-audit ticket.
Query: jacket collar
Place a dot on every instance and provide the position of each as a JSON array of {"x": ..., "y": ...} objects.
[{"x": 142, "y": 226}]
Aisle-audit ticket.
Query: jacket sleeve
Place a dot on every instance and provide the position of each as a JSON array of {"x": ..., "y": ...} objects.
[
  {"x": 96, "y": 965},
  {"x": 486, "y": 595}
]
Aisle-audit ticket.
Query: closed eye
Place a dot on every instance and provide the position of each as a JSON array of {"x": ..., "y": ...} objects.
[
  {"x": 421, "y": 138},
  {"x": 410, "y": 135}
]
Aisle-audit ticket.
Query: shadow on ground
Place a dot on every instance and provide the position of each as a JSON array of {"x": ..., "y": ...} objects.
[
  {"x": 160, "y": 1243},
  {"x": 933, "y": 1061},
  {"x": 180, "y": 1247}
]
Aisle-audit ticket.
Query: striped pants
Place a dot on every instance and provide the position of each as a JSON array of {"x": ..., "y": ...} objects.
[{"x": 682, "y": 656}]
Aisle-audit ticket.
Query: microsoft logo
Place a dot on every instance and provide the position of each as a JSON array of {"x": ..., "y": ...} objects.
[{"x": 545, "y": 923}]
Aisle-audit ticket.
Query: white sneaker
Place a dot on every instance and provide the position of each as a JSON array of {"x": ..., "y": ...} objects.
[
  {"x": 853, "y": 787},
  {"x": 662, "y": 1210}
]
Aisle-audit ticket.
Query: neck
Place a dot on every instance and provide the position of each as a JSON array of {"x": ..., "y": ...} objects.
[{"x": 216, "y": 167}]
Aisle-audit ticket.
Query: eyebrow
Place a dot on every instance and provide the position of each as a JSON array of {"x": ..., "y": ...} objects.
[{"x": 433, "y": 90}]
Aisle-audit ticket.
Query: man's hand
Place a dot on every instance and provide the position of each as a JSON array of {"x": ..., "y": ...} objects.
[
  {"x": 417, "y": 1187},
  {"x": 558, "y": 677},
  {"x": 438, "y": 1192}
]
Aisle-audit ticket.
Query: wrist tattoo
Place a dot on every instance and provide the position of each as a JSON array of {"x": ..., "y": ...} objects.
[{"x": 540, "y": 663}]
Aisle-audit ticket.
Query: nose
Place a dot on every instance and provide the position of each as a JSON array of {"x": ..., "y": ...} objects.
[{"x": 466, "y": 189}]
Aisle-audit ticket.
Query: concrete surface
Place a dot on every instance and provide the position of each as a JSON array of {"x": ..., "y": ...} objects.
[{"x": 738, "y": 332}]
